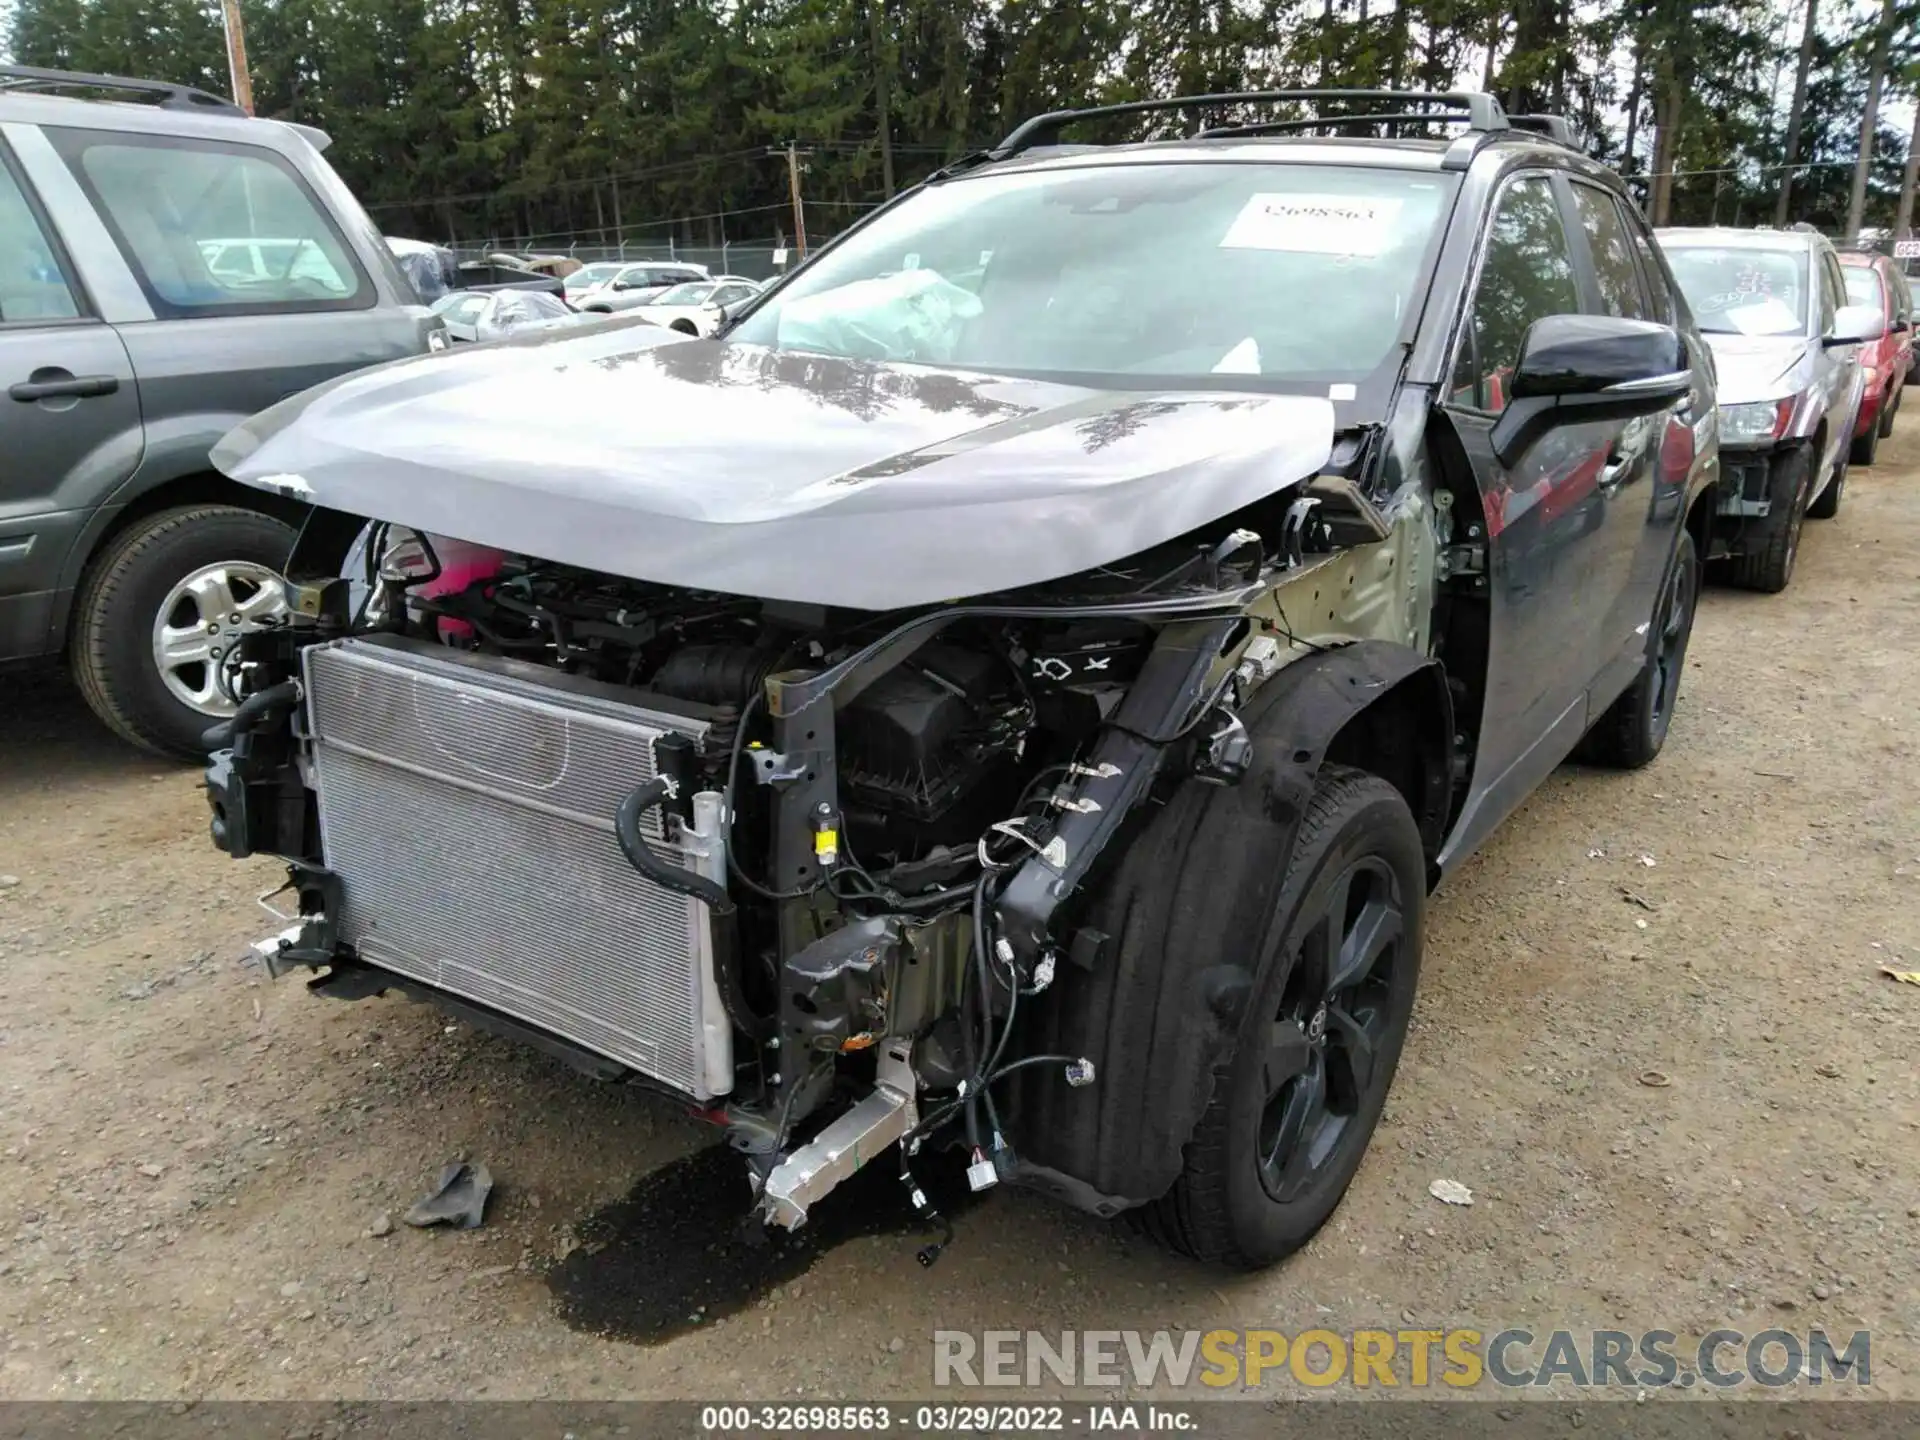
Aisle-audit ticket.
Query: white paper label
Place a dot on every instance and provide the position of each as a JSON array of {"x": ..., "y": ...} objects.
[
  {"x": 1765, "y": 316},
  {"x": 1314, "y": 224}
]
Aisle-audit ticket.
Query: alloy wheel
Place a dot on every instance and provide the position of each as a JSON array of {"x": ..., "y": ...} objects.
[
  {"x": 1319, "y": 1065},
  {"x": 200, "y": 622}
]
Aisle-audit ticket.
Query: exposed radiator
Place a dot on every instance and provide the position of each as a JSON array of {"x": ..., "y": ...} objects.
[{"x": 467, "y": 805}]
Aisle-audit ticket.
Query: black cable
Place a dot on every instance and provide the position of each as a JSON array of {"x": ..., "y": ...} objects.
[{"x": 1026, "y": 1060}]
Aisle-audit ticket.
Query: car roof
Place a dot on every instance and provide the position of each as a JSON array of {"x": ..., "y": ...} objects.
[{"x": 143, "y": 118}]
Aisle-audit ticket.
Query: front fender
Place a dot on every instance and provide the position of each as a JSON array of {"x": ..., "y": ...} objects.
[{"x": 1153, "y": 981}]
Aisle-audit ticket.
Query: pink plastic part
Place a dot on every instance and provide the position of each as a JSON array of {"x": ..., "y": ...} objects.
[{"x": 461, "y": 564}]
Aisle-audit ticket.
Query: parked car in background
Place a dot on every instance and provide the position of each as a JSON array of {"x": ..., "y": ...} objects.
[
  {"x": 472, "y": 315},
  {"x": 1155, "y": 656},
  {"x": 166, "y": 270},
  {"x": 695, "y": 307},
  {"x": 432, "y": 270},
  {"x": 1786, "y": 345},
  {"x": 590, "y": 277},
  {"x": 1875, "y": 282},
  {"x": 632, "y": 286}
]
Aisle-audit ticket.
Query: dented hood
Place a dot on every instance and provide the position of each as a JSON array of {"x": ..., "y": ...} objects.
[{"x": 630, "y": 450}]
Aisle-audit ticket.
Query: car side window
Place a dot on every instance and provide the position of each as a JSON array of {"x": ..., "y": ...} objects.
[
  {"x": 33, "y": 286},
  {"x": 1527, "y": 273},
  {"x": 212, "y": 228},
  {"x": 1614, "y": 266},
  {"x": 1833, "y": 290}
]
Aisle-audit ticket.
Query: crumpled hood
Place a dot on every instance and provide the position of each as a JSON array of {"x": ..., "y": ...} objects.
[
  {"x": 1758, "y": 367},
  {"x": 635, "y": 451}
]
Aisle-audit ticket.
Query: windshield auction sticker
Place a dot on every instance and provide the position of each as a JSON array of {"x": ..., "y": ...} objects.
[{"x": 1314, "y": 224}]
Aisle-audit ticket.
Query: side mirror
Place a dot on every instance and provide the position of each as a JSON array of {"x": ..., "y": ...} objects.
[
  {"x": 1855, "y": 325},
  {"x": 1579, "y": 368}
]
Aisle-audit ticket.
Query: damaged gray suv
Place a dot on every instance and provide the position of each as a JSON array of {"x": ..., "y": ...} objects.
[{"x": 994, "y": 697}]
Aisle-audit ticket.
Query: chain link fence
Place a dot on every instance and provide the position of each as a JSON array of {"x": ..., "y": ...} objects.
[{"x": 754, "y": 259}]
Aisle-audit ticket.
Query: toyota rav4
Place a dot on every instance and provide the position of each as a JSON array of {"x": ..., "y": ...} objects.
[{"x": 996, "y": 695}]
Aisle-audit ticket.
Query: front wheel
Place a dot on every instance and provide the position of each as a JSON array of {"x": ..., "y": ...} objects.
[
  {"x": 1297, "y": 1100},
  {"x": 1889, "y": 409},
  {"x": 159, "y": 614},
  {"x": 1765, "y": 562},
  {"x": 1861, "y": 452}
]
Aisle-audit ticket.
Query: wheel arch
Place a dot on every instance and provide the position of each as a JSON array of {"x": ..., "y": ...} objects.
[{"x": 1155, "y": 1012}]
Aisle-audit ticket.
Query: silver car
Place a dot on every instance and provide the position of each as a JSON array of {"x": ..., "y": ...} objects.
[
  {"x": 1773, "y": 305},
  {"x": 639, "y": 284},
  {"x": 496, "y": 314}
]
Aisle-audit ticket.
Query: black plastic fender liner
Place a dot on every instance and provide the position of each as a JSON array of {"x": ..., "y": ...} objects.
[{"x": 1179, "y": 927}]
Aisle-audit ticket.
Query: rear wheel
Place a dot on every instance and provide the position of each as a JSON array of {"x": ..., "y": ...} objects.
[
  {"x": 1634, "y": 727},
  {"x": 1827, "y": 504},
  {"x": 1296, "y": 1101},
  {"x": 1889, "y": 409},
  {"x": 1766, "y": 559},
  {"x": 161, "y": 609}
]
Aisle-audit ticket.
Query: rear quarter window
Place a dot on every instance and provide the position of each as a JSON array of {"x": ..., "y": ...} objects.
[{"x": 214, "y": 228}]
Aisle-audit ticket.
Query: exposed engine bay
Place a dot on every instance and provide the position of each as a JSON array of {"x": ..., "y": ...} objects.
[{"x": 811, "y": 870}]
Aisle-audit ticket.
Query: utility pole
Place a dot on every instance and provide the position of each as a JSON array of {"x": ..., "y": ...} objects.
[
  {"x": 794, "y": 156},
  {"x": 237, "y": 76},
  {"x": 880, "y": 97}
]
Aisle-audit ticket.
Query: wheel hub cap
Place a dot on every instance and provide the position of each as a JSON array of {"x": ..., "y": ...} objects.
[{"x": 200, "y": 622}]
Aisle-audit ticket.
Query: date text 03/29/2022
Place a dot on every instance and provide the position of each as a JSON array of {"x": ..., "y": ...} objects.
[{"x": 940, "y": 1419}]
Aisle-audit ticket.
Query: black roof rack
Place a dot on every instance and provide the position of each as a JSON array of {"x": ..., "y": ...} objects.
[
  {"x": 1552, "y": 126},
  {"x": 1319, "y": 122},
  {"x": 172, "y": 97},
  {"x": 1481, "y": 112}
]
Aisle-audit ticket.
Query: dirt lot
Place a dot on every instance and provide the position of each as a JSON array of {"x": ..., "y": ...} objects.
[{"x": 191, "y": 1157}]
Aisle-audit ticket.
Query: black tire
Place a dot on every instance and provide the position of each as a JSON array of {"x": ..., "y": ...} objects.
[
  {"x": 1890, "y": 410},
  {"x": 1861, "y": 452},
  {"x": 1223, "y": 1207},
  {"x": 1826, "y": 505},
  {"x": 1634, "y": 727},
  {"x": 1765, "y": 562},
  {"x": 111, "y": 647},
  {"x": 684, "y": 327}
]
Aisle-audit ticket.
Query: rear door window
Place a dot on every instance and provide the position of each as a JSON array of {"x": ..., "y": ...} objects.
[
  {"x": 1615, "y": 269},
  {"x": 33, "y": 285},
  {"x": 211, "y": 228}
]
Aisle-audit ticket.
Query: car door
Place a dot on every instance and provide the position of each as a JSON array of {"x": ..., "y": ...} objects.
[
  {"x": 70, "y": 429},
  {"x": 1552, "y": 517},
  {"x": 1837, "y": 367}
]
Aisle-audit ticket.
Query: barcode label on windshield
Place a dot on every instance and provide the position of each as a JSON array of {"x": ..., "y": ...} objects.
[{"x": 1314, "y": 224}]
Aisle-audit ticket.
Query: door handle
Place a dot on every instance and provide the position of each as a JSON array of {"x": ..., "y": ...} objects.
[{"x": 78, "y": 387}]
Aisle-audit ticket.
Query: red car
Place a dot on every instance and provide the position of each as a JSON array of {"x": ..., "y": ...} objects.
[{"x": 1875, "y": 280}]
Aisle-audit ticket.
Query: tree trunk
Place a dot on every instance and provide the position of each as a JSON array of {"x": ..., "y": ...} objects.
[
  {"x": 1635, "y": 94},
  {"x": 1869, "y": 120},
  {"x": 880, "y": 96},
  {"x": 1796, "y": 113},
  {"x": 1903, "y": 222},
  {"x": 1668, "y": 105}
]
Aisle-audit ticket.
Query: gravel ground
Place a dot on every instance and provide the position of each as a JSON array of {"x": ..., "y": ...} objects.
[{"x": 197, "y": 1165}]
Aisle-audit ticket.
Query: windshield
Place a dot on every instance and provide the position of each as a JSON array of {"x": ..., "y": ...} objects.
[
  {"x": 591, "y": 275},
  {"x": 1170, "y": 272},
  {"x": 1741, "y": 290},
  {"x": 1863, "y": 286},
  {"x": 691, "y": 293}
]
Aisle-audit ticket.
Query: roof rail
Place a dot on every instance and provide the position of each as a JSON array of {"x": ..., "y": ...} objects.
[
  {"x": 1481, "y": 111},
  {"x": 1281, "y": 127},
  {"x": 172, "y": 97},
  {"x": 1553, "y": 127}
]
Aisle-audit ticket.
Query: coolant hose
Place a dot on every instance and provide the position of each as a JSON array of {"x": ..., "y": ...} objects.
[
  {"x": 250, "y": 712},
  {"x": 640, "y": 855},
  {"x": 681, "y": 881}
]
